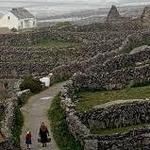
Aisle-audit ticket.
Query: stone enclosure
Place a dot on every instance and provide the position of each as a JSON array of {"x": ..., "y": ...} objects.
[
  {"x": 131, "y": 112},
  {"x": 109, "y": 56}
]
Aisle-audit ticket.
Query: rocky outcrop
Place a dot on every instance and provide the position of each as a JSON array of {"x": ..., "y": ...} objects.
[
  {"x": 145, "y": 17},
  {"x": 113, "y": 14}
]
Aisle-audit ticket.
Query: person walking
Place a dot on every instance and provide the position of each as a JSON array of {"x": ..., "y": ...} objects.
[
  {"x": 43, "y": 133},
  {"x": 28, "y": 140}
]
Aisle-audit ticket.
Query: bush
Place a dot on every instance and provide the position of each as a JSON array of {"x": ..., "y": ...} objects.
[
  {"x": 14, "y": 30},
  {"x": 31, "y": 83},
  {"x": 23, "y": 99},
  {"x": 140, "y": 83}
]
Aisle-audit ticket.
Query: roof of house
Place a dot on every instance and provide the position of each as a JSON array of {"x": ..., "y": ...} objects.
[{"x": 21, "y": 13}]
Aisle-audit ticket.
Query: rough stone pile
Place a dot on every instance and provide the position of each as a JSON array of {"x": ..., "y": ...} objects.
[{"x": 145, "y": 17}]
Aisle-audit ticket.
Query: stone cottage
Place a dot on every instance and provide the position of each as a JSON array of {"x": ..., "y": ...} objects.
[{"x": 18, "y": 18}]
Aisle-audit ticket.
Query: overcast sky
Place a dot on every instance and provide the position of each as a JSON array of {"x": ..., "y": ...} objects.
[{"x": 87, "y": 1}]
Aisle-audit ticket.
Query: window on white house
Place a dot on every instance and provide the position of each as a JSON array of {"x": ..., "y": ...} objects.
[
  {"x": 8, "y": 17},
  {"x": 33, "y": 23}
]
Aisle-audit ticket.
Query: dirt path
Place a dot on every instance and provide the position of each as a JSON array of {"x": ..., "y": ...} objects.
[{"x": 35, "y": 112}]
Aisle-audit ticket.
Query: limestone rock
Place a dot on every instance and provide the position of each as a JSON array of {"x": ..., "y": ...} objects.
[
  {"x": 113, "y": 14},
  {"x": 146, "y": 15}
]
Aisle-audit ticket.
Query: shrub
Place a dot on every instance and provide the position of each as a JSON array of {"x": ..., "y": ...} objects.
[
  {"x": 23, "y": 99},
  {"x": 140, "y": 83},
  {"x": 14, "y": 30},
  {"x": 31, "y": 83}
]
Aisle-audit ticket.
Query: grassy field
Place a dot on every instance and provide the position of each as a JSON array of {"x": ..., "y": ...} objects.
[
  {"x": 118, "y": 130},
  {"x": 134, "y": 44},
  {"x": 87, "y": 100},
  {"x": 49, "y": 43},
  {"x": 61, "y": 134},
  {"x": 56, "y": 44}
]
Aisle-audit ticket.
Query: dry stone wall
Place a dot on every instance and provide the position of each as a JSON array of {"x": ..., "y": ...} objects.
[
  {"x": 136, "y": 139},
  {"x": 31, "y": 38},
  {"x": 78, "y": 126},
  {"x": 66, "y": 71},
  {"x": 116, "y": 80},
  {"x": 17, "y": 59},
  {"x": 118, "y": 115},
  {"x": 116, "y": 72},
  {"x": 107, "y": 62},
  {"x": 8, "y": 105}
]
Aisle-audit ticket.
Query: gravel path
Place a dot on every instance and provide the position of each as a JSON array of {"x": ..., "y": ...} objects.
[{"x": 35, "y": 112}]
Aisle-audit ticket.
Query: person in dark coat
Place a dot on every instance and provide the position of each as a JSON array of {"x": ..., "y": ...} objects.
[
  {"x": 43, "y": 133},
  {"x": 28, "y": 140}
]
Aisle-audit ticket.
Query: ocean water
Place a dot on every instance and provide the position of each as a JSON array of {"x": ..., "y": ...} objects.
[{"x": 40, "y": 8}]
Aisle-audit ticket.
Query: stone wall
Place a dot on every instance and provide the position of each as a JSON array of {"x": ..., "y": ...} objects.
[
  {"x": 17, "y": 59},
  {"x": 131, "y": 112},
  {"x": 108, "y": 61},
  {"x": 116, "y": 72},
  {"x": 76, "y": 127},
  {"x": 31, "y": 38},
  {"x": 9, "y": 106},
  {"x": 8, "y": 145},
  {"x": 118, "y": 79},
  {"x": 134, "y": 139},
  {"x": 64, "y": 72}
]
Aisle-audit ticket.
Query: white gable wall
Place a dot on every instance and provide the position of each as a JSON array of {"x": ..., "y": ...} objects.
[
  {"x": 27, "y": 23},
  {"x": 9, "y": 20}
]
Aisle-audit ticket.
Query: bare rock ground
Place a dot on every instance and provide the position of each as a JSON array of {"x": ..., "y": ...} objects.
[{"x": 35, "y": 112}]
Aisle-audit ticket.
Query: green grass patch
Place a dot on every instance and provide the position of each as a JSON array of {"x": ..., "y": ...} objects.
[
  {"x": 87, "y": 100},
  {"x": 135, "y": 43},
  {"x": 118, "y": 130},
  {"x": 61, "y": 25},
  {"x": 17, "y": 128},
  {"x": 61, "y": 134},
  {"x": 18, "y": 119},
  {"x": 56, "y": 43}
]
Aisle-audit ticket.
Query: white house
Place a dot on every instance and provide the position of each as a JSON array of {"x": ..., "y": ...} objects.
[{"x": 18, "y": 18}]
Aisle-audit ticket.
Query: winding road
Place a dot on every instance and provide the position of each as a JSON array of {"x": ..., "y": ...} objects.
[{"x": 35, "y": 112}]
